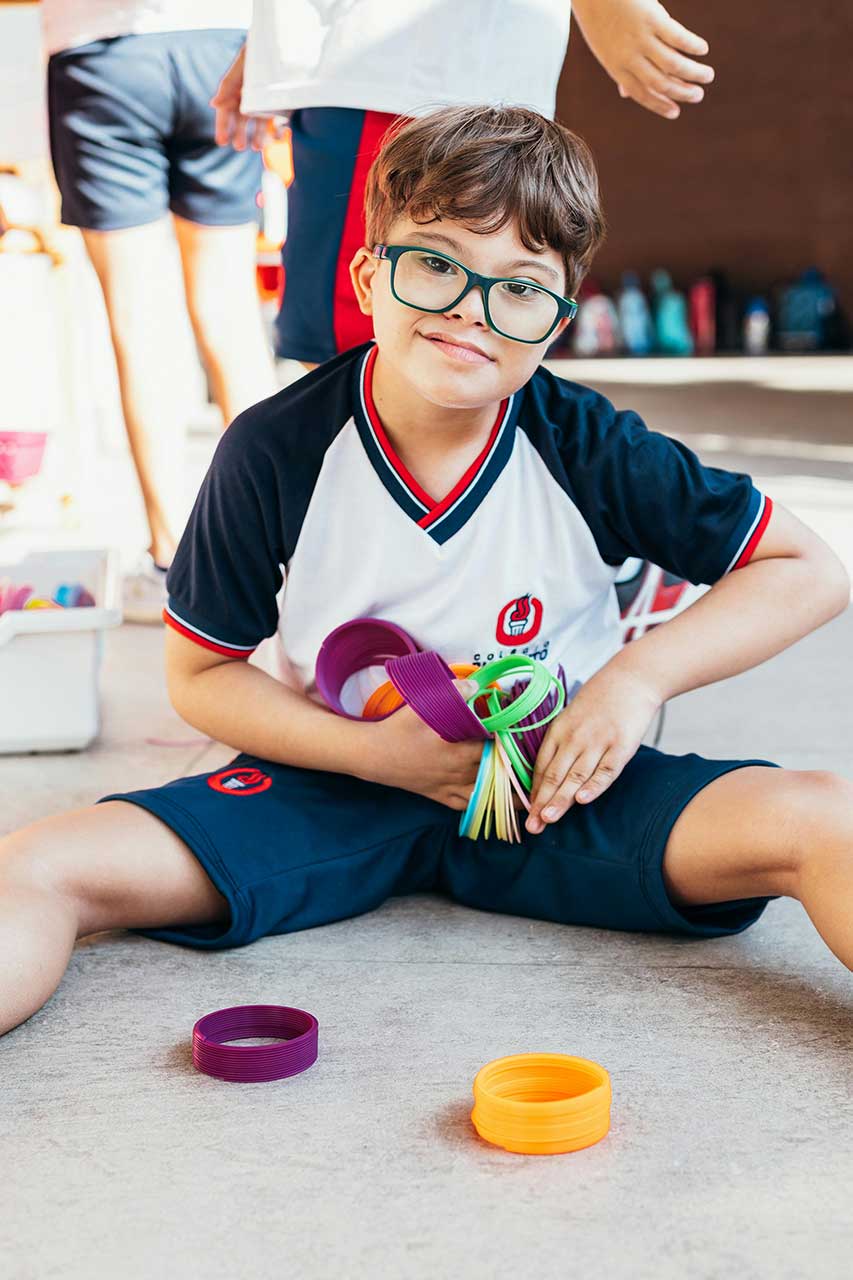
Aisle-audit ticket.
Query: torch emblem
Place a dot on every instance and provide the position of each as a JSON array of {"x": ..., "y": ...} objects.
[
  {"x": 519, "y": 621},
  {"x": 240, "y": 782}
]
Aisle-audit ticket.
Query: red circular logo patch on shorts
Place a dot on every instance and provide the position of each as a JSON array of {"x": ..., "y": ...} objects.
[{"x": 240, "y": 782}]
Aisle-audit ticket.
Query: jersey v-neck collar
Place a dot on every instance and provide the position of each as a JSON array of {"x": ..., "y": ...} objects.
[{"x": 440, "y": 519}]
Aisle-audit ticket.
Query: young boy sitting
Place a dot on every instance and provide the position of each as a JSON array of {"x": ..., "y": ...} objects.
[{"x": 436, "y": 479}]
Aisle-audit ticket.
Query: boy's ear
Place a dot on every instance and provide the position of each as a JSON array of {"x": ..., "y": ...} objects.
[
  {"x": 561, "y": 327},
  {"x": 361, "y": 272}
]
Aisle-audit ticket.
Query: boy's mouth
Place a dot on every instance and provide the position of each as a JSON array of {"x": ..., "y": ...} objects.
[{"x": 455, "y": 349}]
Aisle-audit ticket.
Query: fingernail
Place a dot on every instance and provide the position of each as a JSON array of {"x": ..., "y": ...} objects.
[
  {"x": 582, "y": 795},
  {"x": 672, "y": 114},
  {"x": 550, "y": 812}
]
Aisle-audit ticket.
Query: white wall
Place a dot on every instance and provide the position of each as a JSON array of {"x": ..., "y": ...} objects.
[{"x": 23, "y": 113}]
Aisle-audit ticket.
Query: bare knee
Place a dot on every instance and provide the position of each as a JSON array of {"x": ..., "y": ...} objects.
[
  {"x": 818, "y": 811},
  {"x": 30, "y": 864},
  {"x": 821, "y": 803}
]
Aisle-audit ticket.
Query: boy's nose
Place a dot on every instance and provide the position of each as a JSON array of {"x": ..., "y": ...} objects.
[{"x": 470, "y": 308}]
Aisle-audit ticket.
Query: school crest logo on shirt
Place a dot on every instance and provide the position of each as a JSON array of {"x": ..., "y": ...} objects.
[
  {"x": 520, "y": 621},
  {"x": 240, "y": 782}
]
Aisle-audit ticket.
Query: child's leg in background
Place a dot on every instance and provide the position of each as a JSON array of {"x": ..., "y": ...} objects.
[
  {"x": 222, "y": 299},
  {"x": 112, "y": 866},
  {"x": 132, "y": 138},
  {"x": 764, "y": 831},
  {"x": 141, "y": 285}
]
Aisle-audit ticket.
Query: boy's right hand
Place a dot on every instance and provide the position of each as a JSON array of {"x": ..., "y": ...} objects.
[{"x": 404, "y": 752}]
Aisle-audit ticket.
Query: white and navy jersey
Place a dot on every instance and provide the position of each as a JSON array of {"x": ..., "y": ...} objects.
[{"x": 306, "y": 491}]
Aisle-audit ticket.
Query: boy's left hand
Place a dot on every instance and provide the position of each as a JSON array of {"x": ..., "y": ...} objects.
[{"x": 589, "y": 743}]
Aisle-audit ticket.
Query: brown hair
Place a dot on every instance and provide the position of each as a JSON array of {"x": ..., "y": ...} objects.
[{"x": 484, "y": 166}]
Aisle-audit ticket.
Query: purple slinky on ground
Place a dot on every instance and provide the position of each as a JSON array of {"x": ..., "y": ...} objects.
[
  {"x": 352, "y": 647},
  {"x": 251, "y": 1063}
]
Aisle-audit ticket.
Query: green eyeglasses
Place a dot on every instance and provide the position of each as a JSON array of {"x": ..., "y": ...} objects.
[{"x": 431, "y": 281}]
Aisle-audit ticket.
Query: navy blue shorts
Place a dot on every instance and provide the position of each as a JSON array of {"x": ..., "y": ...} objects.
[
  {"x": 132, "y": 132},
  {"x": 293, "y": 848},
  {"x": 333, "y": 148}
]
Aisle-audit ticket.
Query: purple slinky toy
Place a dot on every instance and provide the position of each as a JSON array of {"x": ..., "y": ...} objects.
[
  {"x": 297, "y": 1051},
  {"x": 352, "y": 647},
  {"x": 425, "y": 682}
]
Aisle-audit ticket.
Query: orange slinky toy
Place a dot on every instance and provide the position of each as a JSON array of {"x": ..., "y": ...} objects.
[{"x": 542, "y": 1103}]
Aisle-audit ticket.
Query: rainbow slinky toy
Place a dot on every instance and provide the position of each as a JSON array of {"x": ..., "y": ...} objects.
[{"x": 511, "y": 722}]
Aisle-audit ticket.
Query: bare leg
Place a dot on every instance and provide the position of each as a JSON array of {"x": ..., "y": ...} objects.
[
  {"x": 111, "y": 866},
  {"x": 146, "y": 315},
  {"x": 219, "y": 279},
  {"x": 777, "y": 832}
]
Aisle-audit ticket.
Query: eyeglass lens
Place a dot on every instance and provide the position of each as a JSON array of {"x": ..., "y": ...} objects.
[{"x": 433, "y": 283}]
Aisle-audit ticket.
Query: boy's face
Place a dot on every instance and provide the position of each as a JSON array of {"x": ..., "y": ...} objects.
[{"x": 453, "y": 358}]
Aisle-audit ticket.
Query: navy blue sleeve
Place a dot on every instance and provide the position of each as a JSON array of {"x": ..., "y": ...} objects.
[
  {"x": 644, "y": 494},
  {"x": 226, "y": 573}
]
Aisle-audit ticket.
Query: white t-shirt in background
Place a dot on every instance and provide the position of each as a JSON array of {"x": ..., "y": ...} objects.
[
  {"x": 69, "y": 23},
  {"x": 404, "y": 56}
]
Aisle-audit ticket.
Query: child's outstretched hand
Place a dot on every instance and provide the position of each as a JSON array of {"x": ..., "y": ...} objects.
[
  {"x": 647, "y": 53},
  {"x": 404, "y": 752},
  {"x": 588, "y": 745}
]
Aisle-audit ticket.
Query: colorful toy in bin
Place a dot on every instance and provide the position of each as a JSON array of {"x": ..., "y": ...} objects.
[
  {"x": 55, "y": 607},
  {"x": 511, "y": 722},
  {"x": 68, "y": 595},
  {"x": 12, "y": 597}
]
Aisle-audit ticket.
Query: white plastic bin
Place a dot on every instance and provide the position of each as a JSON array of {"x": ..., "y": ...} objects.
[{"x": 50, "y": 658}]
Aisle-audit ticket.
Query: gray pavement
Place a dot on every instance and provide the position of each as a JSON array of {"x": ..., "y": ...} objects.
[{"x": 731, "y": 1060}]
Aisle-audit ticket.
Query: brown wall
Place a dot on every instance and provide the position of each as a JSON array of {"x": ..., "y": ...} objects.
[{"x": 759, "y": 177}]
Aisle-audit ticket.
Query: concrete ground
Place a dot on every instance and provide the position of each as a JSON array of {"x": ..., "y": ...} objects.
[{"x": 731, "y": 1060}]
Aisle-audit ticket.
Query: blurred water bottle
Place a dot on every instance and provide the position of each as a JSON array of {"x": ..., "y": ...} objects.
[
  {"x": 756, "y": 327},
  {"x": 702, "y": 316},
  {"x": 597, "y": 327},
  {"x": 728, "y": 327},
  {"x": 807, "y": 313},
  {"x": 635, "y": 318},
  {"x": 672, "y": 333}
]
